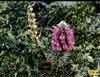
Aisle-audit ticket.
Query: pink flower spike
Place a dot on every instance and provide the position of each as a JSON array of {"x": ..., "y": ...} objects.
[{"x": 62, "y": 38}]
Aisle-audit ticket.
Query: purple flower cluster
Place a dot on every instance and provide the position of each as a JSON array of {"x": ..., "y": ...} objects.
[{"x": 62, "y": 38}]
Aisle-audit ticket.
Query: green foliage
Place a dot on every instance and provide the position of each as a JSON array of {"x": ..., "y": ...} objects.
[
  {"x": 83, "y": 19},
  {"x": 19, "y": 54},
  {"x": 14, "y": 45}
]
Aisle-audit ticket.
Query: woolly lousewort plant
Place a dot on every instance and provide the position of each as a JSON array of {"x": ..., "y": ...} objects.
[{"x": 62, "y": 38}]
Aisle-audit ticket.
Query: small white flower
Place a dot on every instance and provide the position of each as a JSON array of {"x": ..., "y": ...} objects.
[
  {"x": 88, "y": 20},
  {"x": 34, "y": 26},
  {"x": 34, "y": 20},
  {"x": 95, "y": 76},
  {"x": 31, "y": 9},
  {"x": 88, "y": 57},
  {"x": 33, "y": 14},
  {"x": 98, "y": 47}
]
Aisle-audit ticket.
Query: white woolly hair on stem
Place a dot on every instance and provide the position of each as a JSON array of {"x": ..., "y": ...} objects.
[{"x": 63, "y": 24}]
